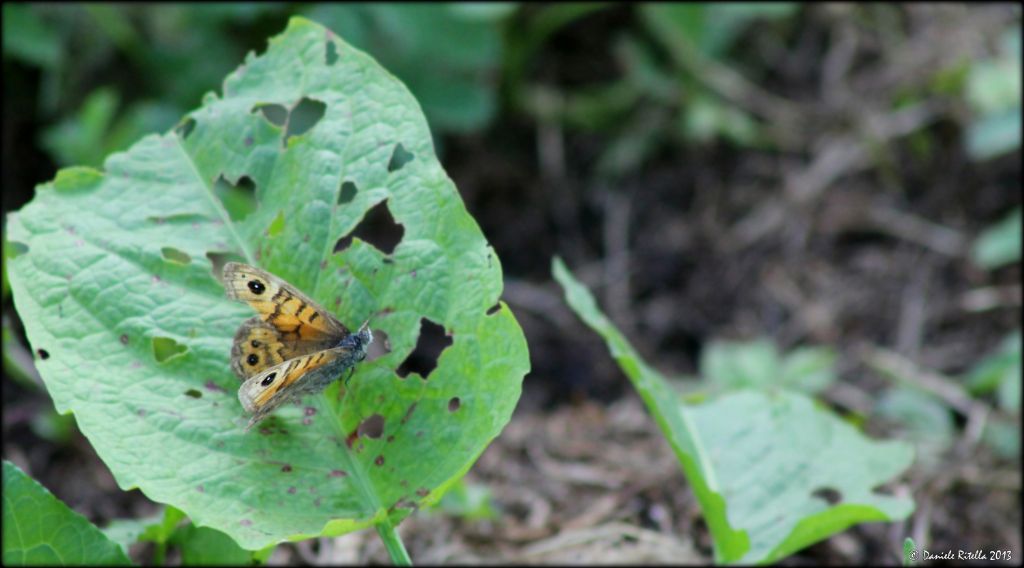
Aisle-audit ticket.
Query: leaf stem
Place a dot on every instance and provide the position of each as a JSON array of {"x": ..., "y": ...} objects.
[{"x": 393, "y": 543}]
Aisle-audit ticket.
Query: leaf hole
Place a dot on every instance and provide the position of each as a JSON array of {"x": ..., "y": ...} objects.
[
  {"x": 332, "y": 52},
  {"x": 165, "y": 348},
  {"x": 377, "y": 228},
  {"x": 219, "y": 259},
  {"x": 238, "y": 198},
  {"x": 124, "y": 339},
  {"x": 303, "y": 117},
  {"x": 277, "y": 226},
  {"x": 347, "y": 192},
  {"x": 185, "y": 128},
  {"x": 193, "y": 393},
  {"x": 454, "y": 404},
  {"x": 828, "y": 494},
  {"x": 399, "y": 158},
  {"x": 423, "y": 359},
  {"x": 380, "y": 347},
  {"x": 15, "y": 249},
  {"x": 176, "y": 256},
  {"x": 274, "y": 113},
  {"x": 43, "y": 354},
  {"x": 372, "y": 427}
]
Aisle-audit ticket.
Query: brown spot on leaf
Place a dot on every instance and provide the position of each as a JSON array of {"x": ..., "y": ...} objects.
[{"x": 379, "y": 460}]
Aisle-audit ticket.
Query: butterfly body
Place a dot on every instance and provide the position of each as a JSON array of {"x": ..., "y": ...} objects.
[{"x": 291, "y": 348}]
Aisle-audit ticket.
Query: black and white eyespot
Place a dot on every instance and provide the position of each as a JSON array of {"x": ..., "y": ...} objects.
[
  {"x": 257, "y": 287},
  {"x": 268, "y": 379},
  {"x": 252, "y": 359}
]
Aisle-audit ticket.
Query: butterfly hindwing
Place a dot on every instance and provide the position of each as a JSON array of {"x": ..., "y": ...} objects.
[{"x": 263, "y": 392}]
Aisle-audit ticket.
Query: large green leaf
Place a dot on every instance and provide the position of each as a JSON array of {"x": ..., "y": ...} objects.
[
  {"x": 772, "y": 471},
  {"x": 39, "y": 529},
  {"x": 132, "y": 330}
]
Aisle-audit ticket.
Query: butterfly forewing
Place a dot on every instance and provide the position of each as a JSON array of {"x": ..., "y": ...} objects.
[{"x": 294, "y": 315}]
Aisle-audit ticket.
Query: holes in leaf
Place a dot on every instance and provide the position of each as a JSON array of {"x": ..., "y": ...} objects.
[
  {"x": 14, "y": 249},
  {"x": 380, "y": 347},
  {"x": 274, "y": 113},
  {"x": 193, "y": 393},
  {"x": 372, "y": 427},
  {"x": 454, "y": 404},
  {"x": 165, "y": 348},
  {"x": 828, "y": 494},
  {"x": 277, "y": 226},
  {"x": 238, "y": 199},
  {"x": 347, "y": 192},
  {"x": 43, "y": 354},
  {"x": 423, "y": 359},
  {"x": 377, "y": 228},
  {"x": 176, "y": 256},
  {"x": 304, "y": 116},
  {"x": 399, "y": 158},
  {"x": 219, "y": 259},
  {"x": 185, "y": 128},
  {"x": 332, "y": 52}
]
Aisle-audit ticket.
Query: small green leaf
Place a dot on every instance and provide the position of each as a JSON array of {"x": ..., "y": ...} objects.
[
  {"x": 203, "y": 546},
  {"x": 733, "y": 365},
  {"x": 773, "y": 473},
  {"x": 469, "y": 501},
  {"x": 809, "y": 369},
  {"x": 909, "y": 556},
  {"x": 999, "y": 244},
  {"x": 39, "y": 529},
  {"x": 927, "y": 420},
  {"x": 999, "y": 371}
]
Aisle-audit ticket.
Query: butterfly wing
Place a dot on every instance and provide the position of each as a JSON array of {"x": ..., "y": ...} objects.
[
  {"x": 258, "y": 346},
  {"x": 289, "y": 323},
  {"x": 263, "y": 392}
]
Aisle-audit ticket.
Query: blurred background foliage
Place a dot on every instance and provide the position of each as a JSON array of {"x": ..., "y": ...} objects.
[{"x": 561, "y": 121}]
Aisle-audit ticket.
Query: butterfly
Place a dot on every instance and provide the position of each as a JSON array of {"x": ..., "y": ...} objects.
[{"x": 291, "y": 348}]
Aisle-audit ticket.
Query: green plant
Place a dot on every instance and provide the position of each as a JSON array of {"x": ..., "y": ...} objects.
[
  {"x": 116, "y": 283},
  {"x": 993, "y": 94},
  {"x": 671, "y": 83},
  {"x": 999, "y": 244},
  {"x": 730, "y": 365},
  {"x": 772, "y": 471},
  {"x": 39, "y": 529}
]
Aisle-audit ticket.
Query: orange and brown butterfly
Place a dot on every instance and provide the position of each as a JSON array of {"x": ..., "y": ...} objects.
[{"x": 291, "y": 348}]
